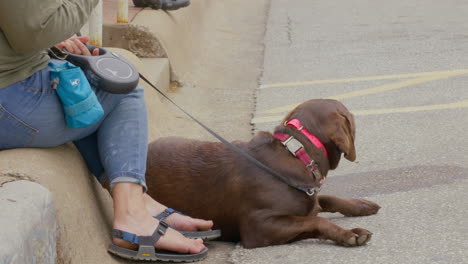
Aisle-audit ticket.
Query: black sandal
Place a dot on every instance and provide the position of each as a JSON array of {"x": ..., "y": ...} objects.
[
  {"x": 162, "y": 4},
  {"x": 205, "y": 235},
  {"x": 146, "y": 250}
]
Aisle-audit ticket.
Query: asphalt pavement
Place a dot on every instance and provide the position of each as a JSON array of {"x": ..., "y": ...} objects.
[{"x": 401, "y": 68}]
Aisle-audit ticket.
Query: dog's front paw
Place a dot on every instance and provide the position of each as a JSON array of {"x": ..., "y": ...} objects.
[
  {"x": 362, "y": 207},
  {"x": 356, "y": 237}
]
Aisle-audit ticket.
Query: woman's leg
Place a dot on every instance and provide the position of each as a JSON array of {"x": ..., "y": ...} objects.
[
  {"x": 131, "y": 116},
  {"x": 130, "y": 215},
  {"x": 31, "y": 115},
  {"x": 122, "y": 142}
]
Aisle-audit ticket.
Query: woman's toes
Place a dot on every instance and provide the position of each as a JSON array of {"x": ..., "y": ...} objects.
[
  {"x": 186, "y": 223},
  {"x": 199, "y": 245},
  {"x": 196, "y": 246},
  {"x": 180, "y": 222},
  {"x": 203, "y": 224},
  {"x": 174, "y": 241}
]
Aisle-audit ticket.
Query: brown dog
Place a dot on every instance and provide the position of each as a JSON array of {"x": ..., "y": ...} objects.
[{"x": 207, "y": 180}]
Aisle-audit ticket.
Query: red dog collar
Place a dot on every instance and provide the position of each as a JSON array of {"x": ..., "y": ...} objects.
[
  {"x": 298, "y": 150},
  {"x": 295, "y": 123}
]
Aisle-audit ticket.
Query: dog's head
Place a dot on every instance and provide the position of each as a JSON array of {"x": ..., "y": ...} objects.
[{"x": 332, "y": 123}]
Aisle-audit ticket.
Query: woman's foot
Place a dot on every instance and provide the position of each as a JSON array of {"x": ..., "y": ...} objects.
[
  {"x": 178, "y": 221},
  {"x": 130, "y": 215}
]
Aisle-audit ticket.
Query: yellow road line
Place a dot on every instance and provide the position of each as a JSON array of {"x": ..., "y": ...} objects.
[
  {"x": 393, "y": 86},
  {"x": 382, "y": 88},
  {"x": 459, "y": 104},
  {"x": 359, "y": 79}
]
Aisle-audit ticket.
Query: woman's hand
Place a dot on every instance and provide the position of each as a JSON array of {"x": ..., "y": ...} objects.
[{"x": 76, "y": 45}]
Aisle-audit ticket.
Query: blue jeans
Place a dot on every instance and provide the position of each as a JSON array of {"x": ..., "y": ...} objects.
[{"x": 115, "y": 148}]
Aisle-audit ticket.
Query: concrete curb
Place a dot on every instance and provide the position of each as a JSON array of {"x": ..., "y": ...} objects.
[
  {"x": 30, "y": 239},
  {"x": 157, "y": 34},
  {"x": 135, "y": 38},
  {"x": 150, "y": 33}
]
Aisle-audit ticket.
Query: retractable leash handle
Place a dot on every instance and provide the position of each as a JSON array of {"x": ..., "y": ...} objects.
[{"x": 108, "y": 71}]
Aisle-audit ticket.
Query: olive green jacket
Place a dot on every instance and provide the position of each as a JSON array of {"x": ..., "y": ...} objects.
[{"x": 29, "y": 27}]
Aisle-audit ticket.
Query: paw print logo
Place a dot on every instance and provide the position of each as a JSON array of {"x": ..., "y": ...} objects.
[{"x": 75, "y": 82}]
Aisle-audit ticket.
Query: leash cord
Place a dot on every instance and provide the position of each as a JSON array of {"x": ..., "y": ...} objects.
[{"x": 308, "y": 191}]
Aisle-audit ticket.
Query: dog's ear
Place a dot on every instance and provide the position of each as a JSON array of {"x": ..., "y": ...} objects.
[{"x": 342, "y": 134}]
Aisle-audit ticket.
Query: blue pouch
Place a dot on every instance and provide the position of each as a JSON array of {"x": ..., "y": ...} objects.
[{"x": 80, "y": 104}]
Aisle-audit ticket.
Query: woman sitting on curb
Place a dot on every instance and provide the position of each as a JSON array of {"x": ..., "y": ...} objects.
[{"x": 115, "y": 146}]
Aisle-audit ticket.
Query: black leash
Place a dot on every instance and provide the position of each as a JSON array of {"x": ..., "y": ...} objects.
[{"x": 308, "y": 191}]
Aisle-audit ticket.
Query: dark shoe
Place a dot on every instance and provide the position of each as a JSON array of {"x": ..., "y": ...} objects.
[
  {"x": 205, "y": 235},
  {"x": 147, "y": 251},
  {"x": 162, "y": 4}
]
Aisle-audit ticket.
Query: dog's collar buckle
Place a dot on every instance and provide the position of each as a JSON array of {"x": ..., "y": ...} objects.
[
  {"x": 295, "y": 123},
  {"x": 314, "y": 168},
  {"x": 296, "y": 148},
  {"x": 293, "y": 145}
]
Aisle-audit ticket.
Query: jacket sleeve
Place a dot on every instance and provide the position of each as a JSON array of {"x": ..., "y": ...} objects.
[{"x": 32, "y": 25}]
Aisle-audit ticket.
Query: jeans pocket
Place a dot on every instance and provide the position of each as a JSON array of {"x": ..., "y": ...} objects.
[{"x": 14, "y": 133}]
